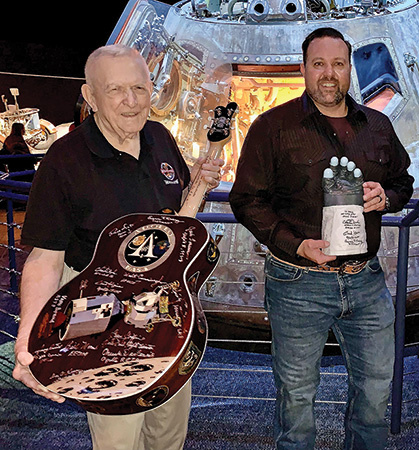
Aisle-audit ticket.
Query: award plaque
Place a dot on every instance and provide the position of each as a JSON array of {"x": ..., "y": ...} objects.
[{"x": 343, "y": 222}]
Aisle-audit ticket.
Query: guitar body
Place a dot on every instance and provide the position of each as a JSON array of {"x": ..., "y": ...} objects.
[{"x": 128, "y": 332}]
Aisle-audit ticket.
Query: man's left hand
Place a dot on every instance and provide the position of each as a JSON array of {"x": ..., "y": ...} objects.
[
  {"x": 374, "y": 197},
  {"x": 210, "y": 171}
]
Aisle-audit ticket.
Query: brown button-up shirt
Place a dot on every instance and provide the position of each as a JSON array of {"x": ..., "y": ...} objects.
[{"x": 278, "y": 192}]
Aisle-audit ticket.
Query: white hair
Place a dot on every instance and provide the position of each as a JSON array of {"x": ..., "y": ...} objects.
[{"x": 115, "y": 50}]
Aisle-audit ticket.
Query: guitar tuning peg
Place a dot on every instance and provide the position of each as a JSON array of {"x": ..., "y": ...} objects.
[
  {"x": 206, "y": 127},
  {"x": 211, "y": 111}
]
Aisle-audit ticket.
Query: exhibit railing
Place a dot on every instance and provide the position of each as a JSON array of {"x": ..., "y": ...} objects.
[{"x": 15, "y": 192}]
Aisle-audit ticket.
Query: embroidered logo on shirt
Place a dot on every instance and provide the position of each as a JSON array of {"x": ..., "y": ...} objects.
[{"x": 169, "y": 173}]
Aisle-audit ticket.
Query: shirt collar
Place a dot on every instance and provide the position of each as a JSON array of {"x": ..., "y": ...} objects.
[
  {"x": 355, "y": 111},
  {"x": 99, "y": 146}
]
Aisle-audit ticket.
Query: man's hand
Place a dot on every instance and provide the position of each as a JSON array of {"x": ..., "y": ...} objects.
[
  {"x": 40, "y": 279},
  {"x": 22, "y": 373},
  {"x": 374, "y": 197},
  {"x": 312, "y": 249},
  {"x": 210, "y": 171}
]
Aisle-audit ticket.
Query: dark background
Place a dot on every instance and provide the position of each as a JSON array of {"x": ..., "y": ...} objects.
[{"x": 53, "y": 39}]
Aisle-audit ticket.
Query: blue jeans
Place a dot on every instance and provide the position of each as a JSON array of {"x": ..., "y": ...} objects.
[{"x": 302, "y": 306}]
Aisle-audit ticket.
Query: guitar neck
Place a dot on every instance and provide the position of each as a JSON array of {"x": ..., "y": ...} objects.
[{"x": 199, "y": 186}]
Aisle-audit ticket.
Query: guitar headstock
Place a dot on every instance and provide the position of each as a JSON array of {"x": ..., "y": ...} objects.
[{"x": 221, "y": 125}]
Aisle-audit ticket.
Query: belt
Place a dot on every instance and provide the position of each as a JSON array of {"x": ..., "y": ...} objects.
[{"x": 348, "y": 267}]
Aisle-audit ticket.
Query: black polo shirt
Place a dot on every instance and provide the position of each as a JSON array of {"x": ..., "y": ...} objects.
[{"x": 83, "y": 184}]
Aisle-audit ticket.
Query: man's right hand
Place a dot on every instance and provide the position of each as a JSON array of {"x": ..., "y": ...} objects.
[
  {"x": 22, "y": 373},
  {"x": 40, "y": 279},
  {"x": 312, "y": 249}
]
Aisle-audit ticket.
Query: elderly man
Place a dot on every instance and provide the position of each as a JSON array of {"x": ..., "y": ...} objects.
[
  {"x": 110, "y": 166},
  {"x": 278, "y": 196}
]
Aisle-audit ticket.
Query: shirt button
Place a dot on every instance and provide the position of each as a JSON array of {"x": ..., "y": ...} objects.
[{"x": 310, "y": 161}]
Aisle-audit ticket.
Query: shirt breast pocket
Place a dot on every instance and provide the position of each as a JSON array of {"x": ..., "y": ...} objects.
[
  {"x": 306, "y": 168},
  {"x": 378, "y": 160}
]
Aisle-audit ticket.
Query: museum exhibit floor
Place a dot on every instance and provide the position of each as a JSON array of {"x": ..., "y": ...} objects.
[{"x": 232, "y": 405}]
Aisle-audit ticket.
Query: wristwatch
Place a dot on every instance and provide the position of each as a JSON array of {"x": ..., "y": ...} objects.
[{"x": 387, "y": 207}]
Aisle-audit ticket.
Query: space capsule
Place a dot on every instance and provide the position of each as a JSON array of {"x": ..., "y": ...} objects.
[{"x": 202, "y": 53}]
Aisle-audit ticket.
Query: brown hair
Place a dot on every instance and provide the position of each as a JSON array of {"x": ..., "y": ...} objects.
[{"x": 320, "y": 33}]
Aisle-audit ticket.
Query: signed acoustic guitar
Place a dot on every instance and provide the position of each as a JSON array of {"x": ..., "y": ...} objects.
[{"x": 128, "y": 332}]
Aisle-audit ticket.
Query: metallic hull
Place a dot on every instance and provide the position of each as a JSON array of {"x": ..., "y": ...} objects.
[{"x": 205, "y": 54}]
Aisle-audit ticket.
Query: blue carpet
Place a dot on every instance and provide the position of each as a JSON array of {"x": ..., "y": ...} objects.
[
  {"x": 232, "y": 405},
  {"x": 232, "y": 408},
  {"x": 234, "y": 395}
]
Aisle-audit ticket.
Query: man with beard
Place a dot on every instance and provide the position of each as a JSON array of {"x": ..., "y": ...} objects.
[{"x": 278, "y": 196}]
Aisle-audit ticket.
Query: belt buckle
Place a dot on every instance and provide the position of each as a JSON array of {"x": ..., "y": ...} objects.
[
  {"x": 353, "y": 264},
  {"x": 342, "y": 268}
]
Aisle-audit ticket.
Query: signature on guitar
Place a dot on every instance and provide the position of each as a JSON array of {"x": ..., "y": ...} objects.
[{"x": 128, "y": 332}]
